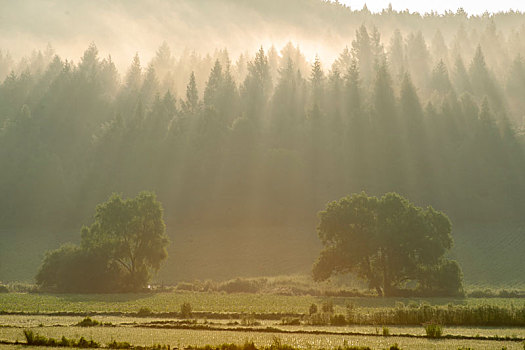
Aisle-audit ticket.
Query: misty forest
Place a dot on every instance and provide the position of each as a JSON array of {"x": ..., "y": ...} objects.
[{"x": 198, "y": 160}]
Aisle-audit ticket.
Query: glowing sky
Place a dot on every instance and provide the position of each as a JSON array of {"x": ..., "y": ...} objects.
[{"x": 471, "y": 6}]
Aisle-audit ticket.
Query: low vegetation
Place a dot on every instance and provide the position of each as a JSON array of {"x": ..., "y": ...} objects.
[
  {"x": 34, "y": 339},
  {"x": 413, "y": 314},
  {"x": 89, "y": 322},
  {"x": 185, "y": 310},
  {"x": 282, "y": 285},
  {"x": 433, "y": 330},
  {"x": 277, "y": 345},
  {"x": 308, "y": 309},
  {"x": 144, "y": 312}
]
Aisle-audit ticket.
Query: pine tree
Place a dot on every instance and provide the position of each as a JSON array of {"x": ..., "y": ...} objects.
[
  {"x": 353, "y": 93},
  {"x": 257, "y": 86},
  {"x": 317, "y": 82},
  {"x": 482, "y": 81},
  {"x": 362, "y": 53},
  {"x": 439, "y": 48},
  {"x": 439, "y": 80},
  {"x": 418, "y": 58},
  {"x": 343, "y": 62},
  {"x": 396, "y": 54},
  {"x": 461, "y": 77},
  {"x": 213, "y": 85},
  {"x": 150, "y": 86},
  {"x": 190, "y": 106},
  {"x": 163, "y": 61}
]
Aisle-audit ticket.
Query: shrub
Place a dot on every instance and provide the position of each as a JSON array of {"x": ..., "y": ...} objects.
[
  {"x": 290, "y": 321},
  {"x": 328, "y": 306},
  {"x": 88, "y": 322},
  {"x": 316, "y": 320},
  {"x": 313, "y": 309},
  {"x": 239, "y": 285},
  {"x": 39, "y": 340},
  {"x": 386, "y": 331},
  {"x": 350, "y": 313},
  {"x": 185, "y": 310},
  {"x": 71, "y": 269},
  {"x": 433, "y": 330},
  {"x": 338, "y": 320},
  {"x": 249, "y": 320},
  {"x": 19, "y": 287},
  {"x": 185, "y": 286},
  {"x": 119, "y": 345},
  {"x": 144, "y": 312}
]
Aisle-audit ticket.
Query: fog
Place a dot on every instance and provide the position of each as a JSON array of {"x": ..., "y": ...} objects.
[
  {"x": 99, "y": 97},
  {"x": 122, "y": 28}
]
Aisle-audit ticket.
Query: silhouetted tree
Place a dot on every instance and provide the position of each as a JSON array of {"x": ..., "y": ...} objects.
[{"x": 387, "y": 241}]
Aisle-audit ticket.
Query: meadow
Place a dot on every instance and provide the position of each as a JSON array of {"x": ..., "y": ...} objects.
[
  {"x": 217, "y": 302},
  {"x": 154, "y": 318},
  {"x": 184, "y": 338}
]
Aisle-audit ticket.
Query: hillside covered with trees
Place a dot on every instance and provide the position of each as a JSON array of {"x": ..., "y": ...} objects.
[{"x": 429, "y": 106}]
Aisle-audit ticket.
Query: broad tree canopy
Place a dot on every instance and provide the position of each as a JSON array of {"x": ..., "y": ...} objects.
[
  {"x": 121, "y": 249},
  {"x": 389, "y": 242}
]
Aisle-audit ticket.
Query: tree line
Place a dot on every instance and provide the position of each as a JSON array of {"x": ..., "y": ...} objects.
[{"x": 270, "y": 144}]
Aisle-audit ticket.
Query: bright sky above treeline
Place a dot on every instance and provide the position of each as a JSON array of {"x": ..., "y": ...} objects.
[{"x": 470, "y": 6}]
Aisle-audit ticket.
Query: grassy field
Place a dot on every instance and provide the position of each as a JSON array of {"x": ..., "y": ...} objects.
[
  {"x": 184, "y": 338},
  {"x": 215, "y": 302},
  {"x": 491, "y": 255},
  {"x": 147, "y": 331},
  {"x": 39, "y": 321}
]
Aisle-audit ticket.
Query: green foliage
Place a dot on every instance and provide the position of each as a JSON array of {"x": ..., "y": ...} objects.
[
  {"x": 240, "y": 285},
  {"x": 88, "y": 322},
  {"x": 249, "y": 320},
  {"x": 185, "y": 310},
  {"x": 328, "y": 306},
  {"x": 312, "y": 309},
  {"x": 291, "y": 321},
  {"x": 72, "y": 269},
  {"x": 338, "y": 320},
  {"x": 386, "y": 331},
  {"x": 118, "y": 251},
  {"x": 276, "y": 345},
  {"x": 144, "y": 312},
  {"x": 319, "y": 133},
  {"x": 433, "y": 330},
  {"x": 119, "y": 345},
  {"x": 89, "y": 133},
  {"x": 33, "y": 339},
  {"x": 387, "y": 241}
]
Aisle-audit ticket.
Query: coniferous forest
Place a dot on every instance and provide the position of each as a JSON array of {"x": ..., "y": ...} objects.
[{"x": 429, "y": 106}]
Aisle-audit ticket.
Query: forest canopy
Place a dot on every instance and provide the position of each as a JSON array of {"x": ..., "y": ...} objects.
[{"x": 270, "y": 136}]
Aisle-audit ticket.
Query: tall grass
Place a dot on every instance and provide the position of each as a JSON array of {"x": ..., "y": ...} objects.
[
  {"x": 433, "y": 330},
  {"x": 484, "y": 315}
]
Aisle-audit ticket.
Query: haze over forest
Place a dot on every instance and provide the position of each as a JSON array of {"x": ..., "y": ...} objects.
[{"x": 247, "y": 117}]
